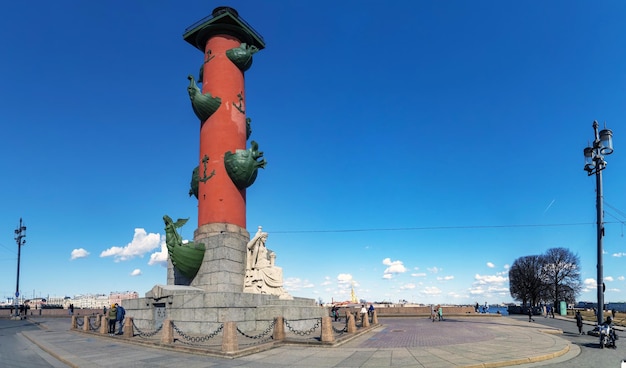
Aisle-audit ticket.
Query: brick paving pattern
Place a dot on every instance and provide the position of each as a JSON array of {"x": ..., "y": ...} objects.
[{"x": 422, "y": 332}]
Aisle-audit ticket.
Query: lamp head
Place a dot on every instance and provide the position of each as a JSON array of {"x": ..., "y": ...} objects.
[{"x": 606, "y": 140}]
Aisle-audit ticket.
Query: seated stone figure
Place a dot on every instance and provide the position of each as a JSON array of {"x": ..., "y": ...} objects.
[{"x": 262, "y": 275}]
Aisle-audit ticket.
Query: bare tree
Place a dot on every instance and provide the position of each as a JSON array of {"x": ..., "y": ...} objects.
[
  {"x": 525, "y": 283},
  {"x": 561, "y": 274}
]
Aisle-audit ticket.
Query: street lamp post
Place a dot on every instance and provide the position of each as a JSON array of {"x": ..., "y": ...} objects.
[
  {"x": 594, "y": 164},
  {"x": 20, "y": 234}
]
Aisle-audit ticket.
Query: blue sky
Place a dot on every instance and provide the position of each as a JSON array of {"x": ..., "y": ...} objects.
[{"x": 414, "y": 150}]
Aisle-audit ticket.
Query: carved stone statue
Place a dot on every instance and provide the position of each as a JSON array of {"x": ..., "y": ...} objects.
[{"x": 262, "y": 275}]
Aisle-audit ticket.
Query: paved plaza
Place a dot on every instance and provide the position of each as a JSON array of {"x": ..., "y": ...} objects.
[{"x": 397, "y": 342}]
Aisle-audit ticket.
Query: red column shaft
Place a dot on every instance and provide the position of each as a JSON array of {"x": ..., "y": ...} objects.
[{"x": 219, "y": 200}]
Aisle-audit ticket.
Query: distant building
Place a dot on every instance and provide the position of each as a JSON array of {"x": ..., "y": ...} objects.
[
  {"x": 619, "y": 306},
  {"x": 91, "y": 301},
  {"x": 117, "y": 297}
]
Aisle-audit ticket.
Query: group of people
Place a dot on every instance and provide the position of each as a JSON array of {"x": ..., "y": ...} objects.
[
  {"x": 436, "y": 313},
  {"x": 116, "y": 314},
  {"x": 334, "y": 311},
  {"x": 485, "y": 308}
]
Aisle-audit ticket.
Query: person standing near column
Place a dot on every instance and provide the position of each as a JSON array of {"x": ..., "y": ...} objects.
[
  {"x": 112, "y": 319},
  {"x": 121, "y": 313}
]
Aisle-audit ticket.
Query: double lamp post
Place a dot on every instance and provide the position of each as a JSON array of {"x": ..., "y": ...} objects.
[
  {"x": 594, "y": 164},
  {"x": 20, "y": 234}
]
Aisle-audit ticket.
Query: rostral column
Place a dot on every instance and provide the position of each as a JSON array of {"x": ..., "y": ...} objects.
[{"x": 226, "y": 168}]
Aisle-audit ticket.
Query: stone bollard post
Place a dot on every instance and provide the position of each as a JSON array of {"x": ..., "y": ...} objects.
[
  {"x": 279, "y": 329},
  {"x": 104, "y": 324},
  {"x": 167, "y": 336},
  {"x": 128, "y": 327},
  {"x": 73, "y": 327},
  {"x": 327, "y": 330},
  {"x": 365, "y": 320},
  {"x": 229, "y": 340},
  {"x": 351, "y": 323},
  {"x": 374, "y": 317}
]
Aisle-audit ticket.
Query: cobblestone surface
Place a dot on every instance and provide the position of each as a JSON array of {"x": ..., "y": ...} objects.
[
  {"x": 397, "y": 342},
  {"x": 422, "y": 332}
]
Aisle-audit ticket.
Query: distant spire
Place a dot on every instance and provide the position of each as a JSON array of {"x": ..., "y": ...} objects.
[{"x": 353, "y": 298}]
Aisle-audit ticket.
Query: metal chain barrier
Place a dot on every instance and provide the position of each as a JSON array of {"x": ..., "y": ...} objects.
[
  {"x": 80, "y": 322},
  {"x": 344, "y": 329},
  {"x": 146, "y": 334},
  {"x": 196, "y": 339},
  {"x": 261, "y": 335},
  {"x": 94, "y": 327},
  {"x": 303, "y": 333}
]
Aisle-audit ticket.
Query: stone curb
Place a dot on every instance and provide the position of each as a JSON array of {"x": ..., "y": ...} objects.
[{"x": 535, "y": 359}]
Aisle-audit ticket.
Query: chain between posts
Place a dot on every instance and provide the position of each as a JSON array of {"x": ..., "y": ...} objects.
[
  {"x": 303, "y": 333},
  {"x": 196, "y": 339},
  {"x": 146, "y": 334},
  {"x": 94, "y": 327},
  {"x": 80, "y": 322},
  {"x": 262, "y": 334},
  {"x": 344, "y": 329}
]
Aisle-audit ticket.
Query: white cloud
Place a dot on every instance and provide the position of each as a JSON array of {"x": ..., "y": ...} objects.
[
  {"x": 490, "y": 279},
  {"x": 590, "y": 283},
  {"x": 393, "y": 267},
  {"x": 431, "y": 290},
  {"x": 434, "y": 270},
  {"x": 608, "y": 278},
  {"x": 295, "y": 284},
  {"x": 136, "y": 272},
  {"x": 344, "y": 278},
  {"x": 445, "y": 278},
  {"x": 490, "y": 265},
  {"x": 141, "y": 244},
  {"x": 506, "y": 266},
  {"x": 408, "y": 286},
  {"x": 419, "y": 274},
  {"x": 621, "y": 278},
  {"x": 618, "y": 255},
  {"x": 327, "y": 281},
  {"x": 79, "y": 253},
  {"x": 160, "y": 257},
  {"x": 387, "y": 276}
]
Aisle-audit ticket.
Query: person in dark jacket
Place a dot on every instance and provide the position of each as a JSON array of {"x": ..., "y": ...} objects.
[
  {"x": 121, "y": 313},
  {"x": 530, "y": 314},
  {"x": 579, "y": 322}
]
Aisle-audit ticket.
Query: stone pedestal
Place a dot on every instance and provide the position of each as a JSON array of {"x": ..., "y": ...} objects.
[
  {"x": 197, "y": 311},
  {"x": 224, "y": 264}
]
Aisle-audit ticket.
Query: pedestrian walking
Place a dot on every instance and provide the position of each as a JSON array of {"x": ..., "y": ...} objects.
[
  {"x": 440, "y": 313},
  {"x": 530, "y": 314},
  {"x": 579, "y": 322}
]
